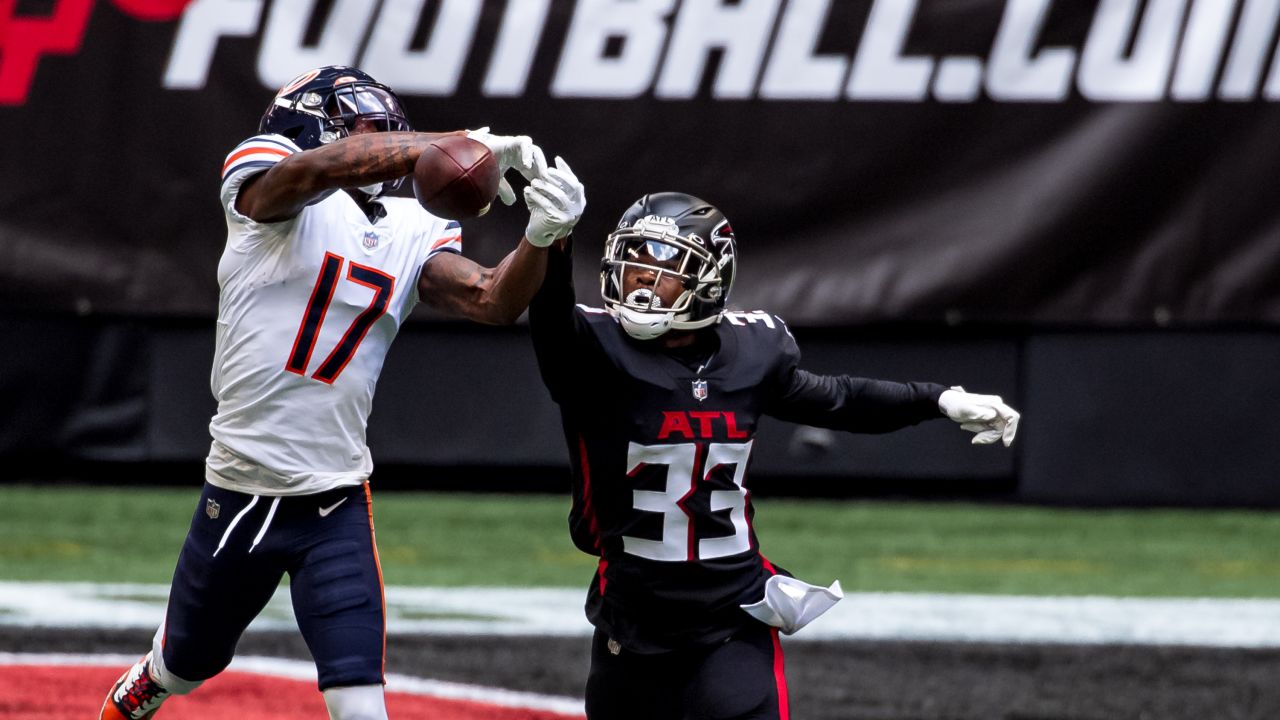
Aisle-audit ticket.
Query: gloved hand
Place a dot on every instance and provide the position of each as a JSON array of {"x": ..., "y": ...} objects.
[
  {"x": 986, "y": 415},
  {"x": 511, "y": 151},
  {"x": 556, "y": 201}
]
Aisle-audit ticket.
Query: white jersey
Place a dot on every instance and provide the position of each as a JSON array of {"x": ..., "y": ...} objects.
[{"x": 307, "y": 312}]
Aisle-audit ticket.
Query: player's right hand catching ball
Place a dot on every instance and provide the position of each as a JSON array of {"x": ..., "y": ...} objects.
[
  {"x": 556, "y": 201},
  {"x": 511, "y": 151}
]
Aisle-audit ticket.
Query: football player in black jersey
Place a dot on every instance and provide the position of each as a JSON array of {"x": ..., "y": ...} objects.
[{"x": 660, "y": 396}]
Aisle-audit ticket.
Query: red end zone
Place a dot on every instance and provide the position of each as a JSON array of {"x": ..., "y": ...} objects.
[{"x": 67, "y": 692}]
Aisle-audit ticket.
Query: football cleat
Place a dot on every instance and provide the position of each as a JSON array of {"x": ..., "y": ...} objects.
[{"x": 136, "y": 695}]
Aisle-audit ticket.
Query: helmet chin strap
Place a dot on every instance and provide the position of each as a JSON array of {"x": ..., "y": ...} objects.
[{"x": 644, "y": 324}]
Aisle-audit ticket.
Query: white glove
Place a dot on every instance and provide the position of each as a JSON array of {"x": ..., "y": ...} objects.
[
  {"x": 556, "y": 201},
  {"x": 986, "y": 415},
  {"x": 511, "y": 151}
]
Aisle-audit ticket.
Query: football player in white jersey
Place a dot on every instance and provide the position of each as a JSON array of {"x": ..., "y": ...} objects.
[{"x": 319, "y": 271}]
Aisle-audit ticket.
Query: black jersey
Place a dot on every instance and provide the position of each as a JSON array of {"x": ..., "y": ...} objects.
[{"x": 660, "y": 441}]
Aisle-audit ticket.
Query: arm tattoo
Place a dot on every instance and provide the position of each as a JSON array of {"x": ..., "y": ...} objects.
[
  {"x": 373, "y": 157},
  {"x": 471, "y": 275},
  {"x": 456, "y": 285}
]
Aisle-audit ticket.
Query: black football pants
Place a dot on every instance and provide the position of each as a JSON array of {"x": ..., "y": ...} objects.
[{"x": 740, "y": 679}]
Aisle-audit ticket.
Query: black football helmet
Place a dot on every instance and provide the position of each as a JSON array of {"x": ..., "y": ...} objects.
[
  {"x": 324, "y": 104},
  {"x": 670, "y": 233}
]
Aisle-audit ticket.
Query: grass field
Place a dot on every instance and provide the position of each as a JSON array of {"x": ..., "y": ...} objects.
[{"x": 132, "y": 534}]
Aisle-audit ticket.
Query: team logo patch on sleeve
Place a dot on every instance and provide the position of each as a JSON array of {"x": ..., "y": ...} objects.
[{"x": 699, "y": 390}]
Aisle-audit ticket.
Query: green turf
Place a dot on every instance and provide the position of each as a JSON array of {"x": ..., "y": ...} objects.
[{"x": 133, "y": 535}]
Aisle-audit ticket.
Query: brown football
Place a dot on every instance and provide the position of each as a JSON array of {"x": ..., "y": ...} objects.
[{"x": 455, "y": 178}]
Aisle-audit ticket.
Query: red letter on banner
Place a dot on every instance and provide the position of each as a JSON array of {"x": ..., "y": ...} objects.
[
  {"x": 153, "y": 10},
  {"x": 24, "y": 40}
]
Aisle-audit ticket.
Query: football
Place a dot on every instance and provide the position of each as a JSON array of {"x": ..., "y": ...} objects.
[{"x": 455, "y": 178}]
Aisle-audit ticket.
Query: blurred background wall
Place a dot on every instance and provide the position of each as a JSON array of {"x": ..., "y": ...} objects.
[{"x": 1069, "y": 204}]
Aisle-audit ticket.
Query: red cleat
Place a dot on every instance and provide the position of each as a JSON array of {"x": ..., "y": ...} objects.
[{"x": 136, "y": 695}]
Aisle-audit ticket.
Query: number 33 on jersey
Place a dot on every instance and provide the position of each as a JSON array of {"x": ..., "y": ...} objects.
[{"x": 686, "y": 469}]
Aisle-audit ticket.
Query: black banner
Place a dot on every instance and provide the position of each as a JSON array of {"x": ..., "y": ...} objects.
[{"x": 1100, "y": 162}]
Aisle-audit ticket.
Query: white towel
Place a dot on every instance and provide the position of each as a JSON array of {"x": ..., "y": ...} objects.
[{"x": 790, "y": 604}]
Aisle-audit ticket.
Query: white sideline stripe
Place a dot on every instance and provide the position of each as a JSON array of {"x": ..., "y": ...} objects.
[
  {"x": 70, "y": 659},
  {"x": 306, "y": 672},
  {"x": 1233, "y": 623}
]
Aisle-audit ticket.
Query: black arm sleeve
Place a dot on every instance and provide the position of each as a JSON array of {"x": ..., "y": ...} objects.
[
  {"x": 854, "y": 404},
  {"x": 554, "y": 323}
]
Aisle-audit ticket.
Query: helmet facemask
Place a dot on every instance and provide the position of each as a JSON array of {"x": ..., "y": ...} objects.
[
  {"x": 355, "y": 103},
  {"x": 654, "y": 245}
]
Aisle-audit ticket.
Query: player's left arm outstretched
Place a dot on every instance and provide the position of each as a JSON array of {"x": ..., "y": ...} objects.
[
  {"x": 497, "y": 295},
  {"x": 864, "y": 405}
]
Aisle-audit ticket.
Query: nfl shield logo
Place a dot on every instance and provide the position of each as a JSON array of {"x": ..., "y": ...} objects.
[
  {"x": 700, "y": 390},
  {"x": 370, "y": 239},
  {"x": 212, "y": 508}
]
